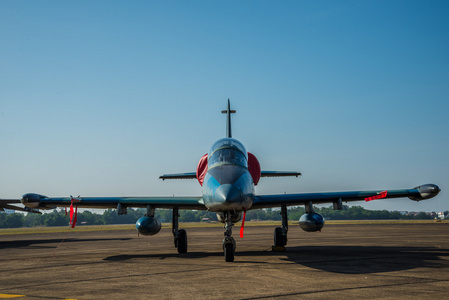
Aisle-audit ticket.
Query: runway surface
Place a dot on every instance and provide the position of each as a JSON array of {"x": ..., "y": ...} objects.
[{"x": 343, "y": 261}]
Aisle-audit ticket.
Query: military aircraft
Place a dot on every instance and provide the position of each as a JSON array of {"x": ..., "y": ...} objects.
[{"x": 227, "y": 174}]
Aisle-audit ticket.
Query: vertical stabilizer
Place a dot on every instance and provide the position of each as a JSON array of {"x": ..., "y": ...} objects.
[{"x": 228, "y": 112}]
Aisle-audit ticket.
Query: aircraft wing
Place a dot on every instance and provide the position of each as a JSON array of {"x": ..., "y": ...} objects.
[
  {"x": 44, "y": 202},
  {"x": 419, "y": 193},
  {"x": 5, "y": 204}
]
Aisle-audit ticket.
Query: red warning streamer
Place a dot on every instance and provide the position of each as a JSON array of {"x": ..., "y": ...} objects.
[
  {"x": 72, "y": 219},
  {"x": 243, "y": 224},
  {"x": 71, "y": 212},
  {"x": 380, "y": 196}
]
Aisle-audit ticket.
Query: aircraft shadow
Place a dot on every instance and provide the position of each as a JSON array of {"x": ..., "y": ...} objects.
[
  {"x": 45, "y": 243},
  {"x": 189, "y": 255},
  {"x": 336, "y": 259},
  {"x": 367, "y": 259}
]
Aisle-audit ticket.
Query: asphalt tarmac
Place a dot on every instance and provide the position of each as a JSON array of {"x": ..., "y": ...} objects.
[{"x": 408, "y": 261}]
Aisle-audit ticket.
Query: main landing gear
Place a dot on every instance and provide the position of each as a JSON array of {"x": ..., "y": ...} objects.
[
  {"x": 280, "y": 234},
  {"x": 180, "y": 235},
  {"x": 228, "y": 241}
]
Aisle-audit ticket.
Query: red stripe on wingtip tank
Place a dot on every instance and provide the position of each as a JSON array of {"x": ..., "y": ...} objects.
[{"x": 380, "y": 196}]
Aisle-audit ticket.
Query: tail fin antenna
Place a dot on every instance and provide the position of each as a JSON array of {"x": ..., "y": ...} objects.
[{"x": 228, "y": 112}]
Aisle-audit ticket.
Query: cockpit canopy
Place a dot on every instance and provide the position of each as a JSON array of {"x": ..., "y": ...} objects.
[{"x": 227, "y": 151}]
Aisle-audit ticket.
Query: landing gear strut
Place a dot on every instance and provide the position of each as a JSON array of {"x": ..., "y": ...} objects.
[
  {"x": 280, "y": 234},
  {"x": 228, "y": 241},
  {"x": 180, "y": 235}
]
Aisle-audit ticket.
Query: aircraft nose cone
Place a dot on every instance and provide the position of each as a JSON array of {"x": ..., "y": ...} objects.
[{"x": 228, "y": 193}]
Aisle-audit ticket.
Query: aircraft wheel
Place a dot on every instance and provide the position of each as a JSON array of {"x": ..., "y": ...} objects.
[
  {"x": 279, "y": 240},
  {"x": 228, "y": 252},
  {"x": 182, "y": 241}
]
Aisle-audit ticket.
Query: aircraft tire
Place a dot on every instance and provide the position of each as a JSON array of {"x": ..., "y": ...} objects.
[
  {"x": 182, "y": 241},
  {"x": 279, "y": 240},
  {"x": 228, "y": 252}
]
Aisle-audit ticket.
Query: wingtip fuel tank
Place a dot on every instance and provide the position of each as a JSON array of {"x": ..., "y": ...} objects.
[{"x": 425, "y": 191}]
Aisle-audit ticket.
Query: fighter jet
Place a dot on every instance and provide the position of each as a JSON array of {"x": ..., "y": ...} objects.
[{"x": 228, "y": 175}]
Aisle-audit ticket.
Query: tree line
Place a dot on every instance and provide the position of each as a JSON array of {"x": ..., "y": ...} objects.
[{"x": 109, "y": 216}]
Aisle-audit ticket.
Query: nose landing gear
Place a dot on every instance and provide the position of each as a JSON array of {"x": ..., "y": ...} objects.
[
  {"x": 180, "y": 236},
  {"x": 228, "y": 241}
]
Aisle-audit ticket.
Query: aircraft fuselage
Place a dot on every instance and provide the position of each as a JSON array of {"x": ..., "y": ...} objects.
[{"x": 228, "y": 185}]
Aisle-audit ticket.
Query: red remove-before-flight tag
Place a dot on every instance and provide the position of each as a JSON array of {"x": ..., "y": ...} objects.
[
  {"x": 380, "y": 196},
  {"x": 243, "y": 224},
  {"x": 74, "y": 219},
  {"x": 71, "y": 213}
]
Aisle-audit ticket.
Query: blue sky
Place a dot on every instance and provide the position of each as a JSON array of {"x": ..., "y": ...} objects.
[{"x": 99, "y": 98}]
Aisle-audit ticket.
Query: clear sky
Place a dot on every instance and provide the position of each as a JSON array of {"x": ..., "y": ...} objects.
[{"x": 99, "y": 98}]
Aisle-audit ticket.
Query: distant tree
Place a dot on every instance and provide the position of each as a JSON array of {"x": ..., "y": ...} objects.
[
  {"x": 110, "y": 216},
  {"x": 90, "y": 218},
  {"x": 33, "y": 220},
  {"x": 295, "y": 213},
  {"x": 423, "y": 216},
  {"x": 187, "y": 216},
  {"x": 14, "y": 220},
  {"x": 164, "y": 215},
  {"x": 56, "y": 219},
  {"x": 2, "y": 220}
]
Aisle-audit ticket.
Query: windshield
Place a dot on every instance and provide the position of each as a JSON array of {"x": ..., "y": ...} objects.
[{"x": 227, "y": 151}]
